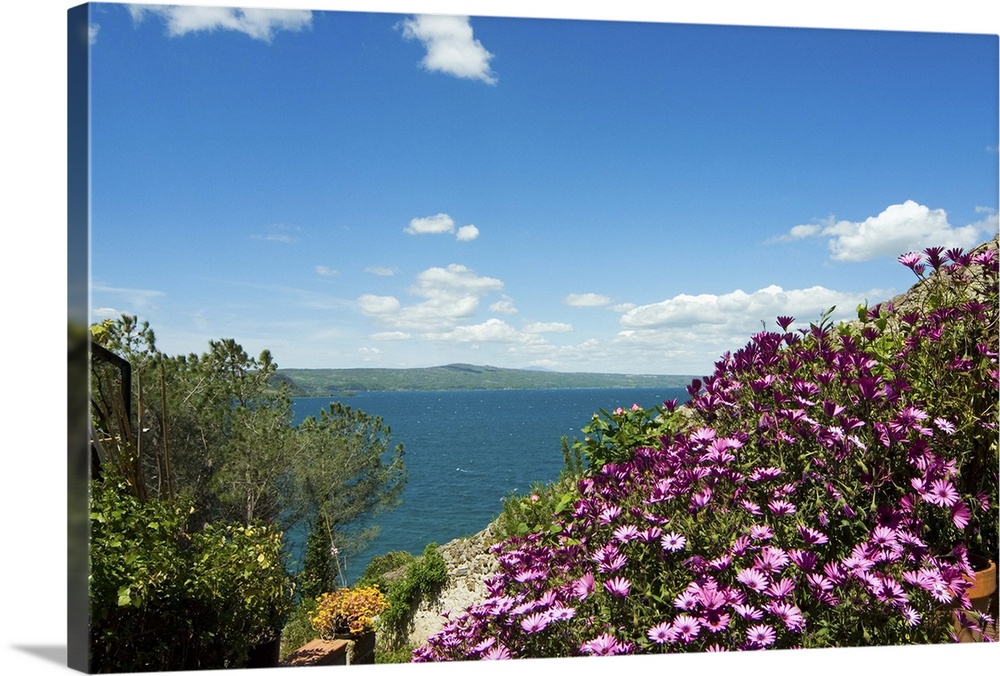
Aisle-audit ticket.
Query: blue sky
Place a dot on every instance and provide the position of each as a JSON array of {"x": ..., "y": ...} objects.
[
  {"x": 399, "y": 190},
  {"x": 943, "y": 163}
]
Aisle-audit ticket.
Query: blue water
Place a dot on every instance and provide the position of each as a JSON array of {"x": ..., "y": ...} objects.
[{"x": 467, "y": 450}]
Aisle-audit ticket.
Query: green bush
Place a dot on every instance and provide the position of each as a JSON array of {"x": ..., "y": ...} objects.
[
  {"x": 165, "y": 598},
  {"x": 424, "y": 577},
  {"x": 379, "y": 566}
]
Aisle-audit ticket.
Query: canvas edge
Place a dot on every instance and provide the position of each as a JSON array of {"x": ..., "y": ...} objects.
[{"x": 78, "y": 344}]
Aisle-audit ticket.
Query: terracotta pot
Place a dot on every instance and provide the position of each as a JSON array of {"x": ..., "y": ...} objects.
[{"x": 984, "y": 585}]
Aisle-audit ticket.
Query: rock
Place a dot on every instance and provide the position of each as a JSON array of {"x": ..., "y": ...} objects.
[{"x": 469, "y": 563}]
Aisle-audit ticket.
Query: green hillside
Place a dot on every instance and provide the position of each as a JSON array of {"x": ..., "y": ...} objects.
[{"x": 323, "y": 382}]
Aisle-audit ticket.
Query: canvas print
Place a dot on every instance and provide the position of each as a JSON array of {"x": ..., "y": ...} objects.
[{"x": 436, "y": 338}]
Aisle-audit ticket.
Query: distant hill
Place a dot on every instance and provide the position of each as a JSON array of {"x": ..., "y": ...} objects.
[{"x": 323, "y": 382}]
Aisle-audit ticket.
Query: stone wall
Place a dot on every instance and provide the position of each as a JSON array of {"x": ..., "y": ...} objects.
[{"x": 469, "y": 564}]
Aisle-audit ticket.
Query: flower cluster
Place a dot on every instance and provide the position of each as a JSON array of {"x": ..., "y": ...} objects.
[
  {"x": 347, "y": 611},
  {"x": 825, "y": 493}
]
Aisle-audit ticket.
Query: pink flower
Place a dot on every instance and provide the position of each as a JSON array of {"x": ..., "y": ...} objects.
[
  {"x": 498, "y": 652},
  {"x": 535, "y": 622},
  {"x": 752, "y": 578},
  {"x": 673, "y": 542},
  {"x": 618, "y": 586},
  {"x": 748, "y": 612},
  {"x": 534, "y": 498},
  {"x": 812, "y": 536},
  {"x": 942, "y": 493},
  {"x": 960, "y": 514},
  {"x": 605, "y": 644},
  {"x": 760, "y": 635},
  {"x": 662, "y": 633},
  {"x": 686, "y": 627},
  {"x": 584, "y": 587}
]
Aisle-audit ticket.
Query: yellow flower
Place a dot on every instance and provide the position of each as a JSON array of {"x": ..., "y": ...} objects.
[{"x": 348, "y": 611}]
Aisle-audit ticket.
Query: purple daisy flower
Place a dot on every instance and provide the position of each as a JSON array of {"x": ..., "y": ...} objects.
[
  {"x": 626, "y": 533},
  {"x": 784, "y": 322},
  {"x": 483, "y": 645},
  {"x": 618, "y": 586},
  {"x": 673, "y": 542},
  {"x": 960, "y": 514},
  {"x": 812, "y": 536},
  {"x": 561, "y": 613},
  {"x": 803, "y": 559},
  {"x": 686, "y": 627},
  {"x": 883, "y": 537},
  {"x": 662, "y": 633},
  {"x": 942, "y": 493},
  {"x": 761, "y": 532},
  {"x": 781, "y": 588},
  {"x": 760, "y": 635},
  {"x": 748, "y": 612},
  {"x": 781, "y": 507},
  {"x": 686, "y": 600},
  {"x": 770, "y": 559},
  {"x": 605, "y": 644},
  {"x": 535, "y": 622},
  {"x": 911, "y": 259},
  {"x": 716, "y": 621},
  {"x": 789, "y": 614},
  {"x": 584, "y": 587},
  {"x": 752, "y": 578},
  {"x": 613, "y": 564},
  {"x": 497, "y": 652}
]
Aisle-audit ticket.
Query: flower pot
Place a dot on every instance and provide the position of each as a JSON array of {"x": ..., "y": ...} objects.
[
  {"x": 984, "y": 587},
  {"x": 360, "y": 647},
  {"x": 265, "y": 654}
]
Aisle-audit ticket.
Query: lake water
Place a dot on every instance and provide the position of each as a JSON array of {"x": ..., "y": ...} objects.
[{"x": 467, "y": 450}]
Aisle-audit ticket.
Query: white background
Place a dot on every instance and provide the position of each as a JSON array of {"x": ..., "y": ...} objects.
[{"x": 33, "y": 250}]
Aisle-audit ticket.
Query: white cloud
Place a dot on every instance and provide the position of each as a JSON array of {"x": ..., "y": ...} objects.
[
  {"x": 740, "y": 313},
  {"x": 391, "y": 335},
  {"x": 899, "y": 228},
  {"x": 505, "y": 305},
  {"x": 441, "y": 224},
  {"x": 378, "y": 306},
  {"x": 451, "y": 47},
  {"x": 324, "y": 271},
  {"x": 548, "y": 327},
  {"x": 380, "y": 271},
  {"x": 491, "y": 331},
  {"x": 431, "y": 225},
  {"x": 450, "y": 295},
  {"x": 586, "y": 300},
  {"x": 137, "y": 298},
  {"x": 92, "y": 31},
  {"x": 105, "y": 313},
  {"x": 467, "y": 233},
  {"x": 259, "y": 24},
  {"x": 277, "y": 233}
]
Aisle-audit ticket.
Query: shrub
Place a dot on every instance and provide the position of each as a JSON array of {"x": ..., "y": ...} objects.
[
  {"x": 347, "y": 611},
  {"x": 424, "y": 577},
  {"x": 825, "y": 493},
  {"x": 165, "y": 598}
]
